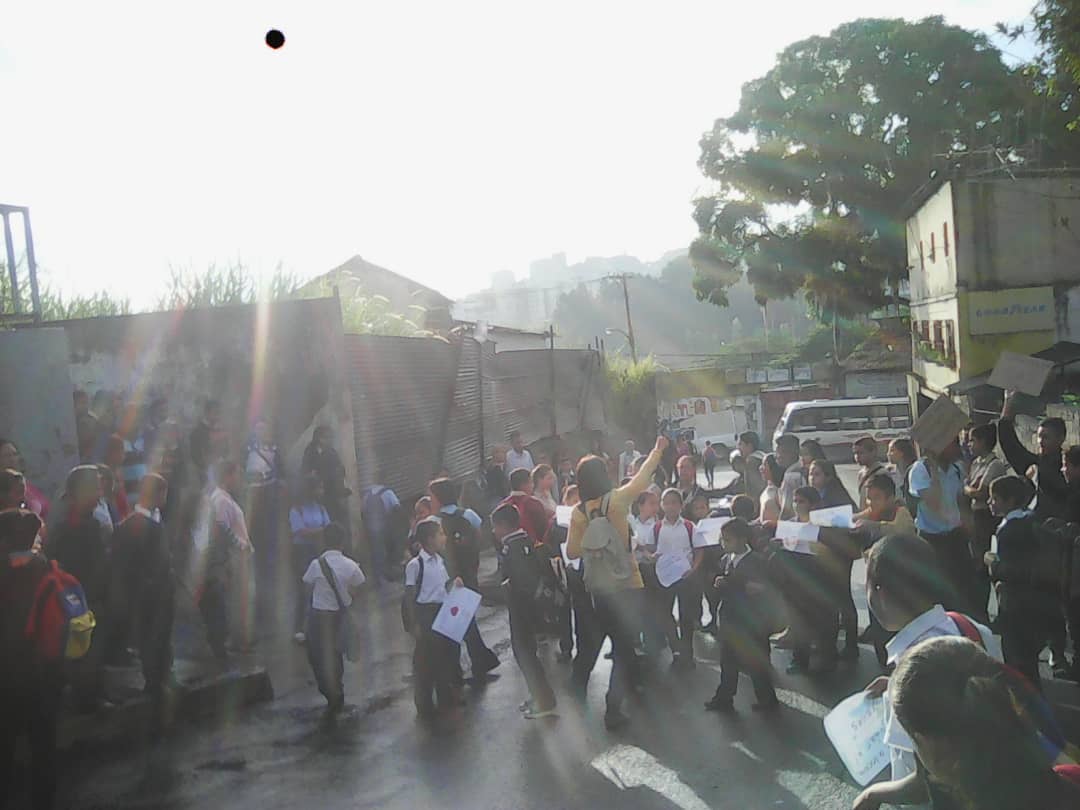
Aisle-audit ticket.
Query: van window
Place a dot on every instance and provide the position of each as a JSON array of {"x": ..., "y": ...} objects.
[
  {"x": 804, "y": 421},
  {"x": 879, "y": 417},
  {"x": 830, "y": 419},
  {"x": 900, "y": 416},
  {"x": 855, "y": 418}
]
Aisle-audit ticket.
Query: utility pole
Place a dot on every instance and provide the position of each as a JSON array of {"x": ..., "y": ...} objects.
[{"x": 629, "y": 323}]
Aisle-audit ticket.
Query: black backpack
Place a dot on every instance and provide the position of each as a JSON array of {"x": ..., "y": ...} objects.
[{"x": 462, "y": 544}]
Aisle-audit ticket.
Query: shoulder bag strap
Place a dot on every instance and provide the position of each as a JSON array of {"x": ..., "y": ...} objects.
[
  {"x": 967, "y": 627},
  {"x": 330, "y": 578}
]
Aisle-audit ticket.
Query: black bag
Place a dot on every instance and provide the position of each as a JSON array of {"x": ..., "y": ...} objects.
[{"x": 462, "y": 546}]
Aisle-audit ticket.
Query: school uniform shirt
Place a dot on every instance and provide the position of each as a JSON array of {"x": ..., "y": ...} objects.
[
  {"x": 675, "y": 539},
  {"x": 227, "y": 512},
  {"x": 931, "y": 624},
  {"x": 771, "y": 494},
  {"x": 469, "y": 515},
  {"x": 307, "y": 516},
  {"x": 1052, "y": 490},
  {"x": 518, "y": 461},
  {"x": 1017, "y": 548},
  {"x": 433, "y": 587},
  {"x": 951, "y": 483},
  {"x": 345, "y": 571}
]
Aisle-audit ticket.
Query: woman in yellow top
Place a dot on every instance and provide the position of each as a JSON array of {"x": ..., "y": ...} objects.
[{"x": 616, "y": 613}]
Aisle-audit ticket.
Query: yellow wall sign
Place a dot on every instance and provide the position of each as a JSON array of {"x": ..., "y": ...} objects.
[{"x": 1024, "y": 309}]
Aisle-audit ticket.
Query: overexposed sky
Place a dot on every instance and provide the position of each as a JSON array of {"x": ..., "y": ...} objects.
[{"x": 443, "y": 140}]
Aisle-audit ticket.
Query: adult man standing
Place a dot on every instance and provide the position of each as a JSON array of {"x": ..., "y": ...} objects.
[
  {"x": 518, "y": 457},
  {"x": 787, "y": 455},
  {"x": 626, "y": 459},
  {"x": 1044, "y": 468},
  {"x": 749, "y": 447},
  {"x": 865, "y": 451},
  {"x": 462, "y": 530}
]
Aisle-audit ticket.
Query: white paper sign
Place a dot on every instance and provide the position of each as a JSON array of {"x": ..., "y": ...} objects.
[
  {"x": 707, "y": 532},
  {"x": 670, "y": 568},
  {"x": 856, "y": 729},
  {"x": 836, "y": 517},
  {"x": 457, "y": 611},
  {"x": 1021, "y": 372},
  {"x": 575, "y": 564},
  {"x": 797, "y": 537},
  {"x": 563, "y": 515}
]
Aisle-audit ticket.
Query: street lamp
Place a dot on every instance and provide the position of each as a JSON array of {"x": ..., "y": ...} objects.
[{"x": 629, "y": 340}]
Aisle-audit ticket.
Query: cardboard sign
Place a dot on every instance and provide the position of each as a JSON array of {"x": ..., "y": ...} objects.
[
  {"x": 939, "y": 425},
  {"x": 836, "y": 517},
  {"x": 1021, "y": 372},
  {"x": 856, "y": 729},
  {"x": 707, "y": 532},
  {"x": 457, "y": 611}
]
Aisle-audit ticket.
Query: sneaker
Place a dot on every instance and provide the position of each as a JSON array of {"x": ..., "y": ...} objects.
[
  {"x": 614, "y": 719},
  {"x": 299, "y": 638},
  {"x": 719, "y": 704},
  {"x": 534, "y": 714}
]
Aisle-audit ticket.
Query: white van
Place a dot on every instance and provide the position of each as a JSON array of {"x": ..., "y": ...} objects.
[{"x": 837, "y": 423}]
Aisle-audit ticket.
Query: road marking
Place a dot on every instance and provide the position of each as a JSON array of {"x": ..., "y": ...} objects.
[
  {"x": 801, "y": 703},
  {"x": 628, "y": 766},
  {"x": 742, "y": 749}
]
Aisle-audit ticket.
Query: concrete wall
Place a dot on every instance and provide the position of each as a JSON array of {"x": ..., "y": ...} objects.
[
  {"x": 35, "y": 404},
  {"x": 281, "y": 361},
  {"x": 859, "y": 384},
  {"x": 932, "y": 270}
]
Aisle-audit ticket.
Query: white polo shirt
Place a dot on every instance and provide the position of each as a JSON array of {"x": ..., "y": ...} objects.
[
  {"x": 675, "y": 539},
  {"x": 345, "y": 571},
  {"x": 931, "y": 624},
  {"x": 433, "y": 586}
]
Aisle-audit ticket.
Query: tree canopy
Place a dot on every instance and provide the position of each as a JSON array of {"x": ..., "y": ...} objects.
[{"x": 812, "y": 172}]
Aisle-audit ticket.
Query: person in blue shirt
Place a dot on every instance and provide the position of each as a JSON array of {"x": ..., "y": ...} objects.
[
  {"x": 307, "y": 520},
  {"x": 937, "y": 480}
]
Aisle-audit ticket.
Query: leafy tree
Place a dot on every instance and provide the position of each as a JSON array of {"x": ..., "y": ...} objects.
[
  {"x": 366, "y": 314},
  {"x": 632, "y": 401},
  {"x": 1055, "y": 71},
  {"x": 814, "y": 169}
]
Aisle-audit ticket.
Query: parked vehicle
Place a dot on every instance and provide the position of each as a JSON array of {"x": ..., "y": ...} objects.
[
  {"x": 836, "y": 423},
  {"x": 721, "y": 428}
]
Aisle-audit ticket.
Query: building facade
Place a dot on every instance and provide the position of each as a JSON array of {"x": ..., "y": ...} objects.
[{"x": 994, "y": 264}]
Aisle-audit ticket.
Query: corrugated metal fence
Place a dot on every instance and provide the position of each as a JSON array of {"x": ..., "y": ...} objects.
[{"x": 422, "y": 404}]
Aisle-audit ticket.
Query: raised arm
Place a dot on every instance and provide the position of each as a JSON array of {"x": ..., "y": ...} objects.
[
  {"x": 1015, "y": 453},
  {"x": 643, "y": 477}
]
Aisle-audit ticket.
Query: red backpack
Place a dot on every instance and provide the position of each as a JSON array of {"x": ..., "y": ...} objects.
[
  {"x": 60, "y": 623},
  {"x": 660, "y": 524}
]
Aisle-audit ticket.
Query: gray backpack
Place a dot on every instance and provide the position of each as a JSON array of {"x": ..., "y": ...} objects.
[{"x": 605, "y": 554}]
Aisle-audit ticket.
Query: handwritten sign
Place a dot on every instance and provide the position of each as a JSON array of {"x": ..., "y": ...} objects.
[
  {"x": 797, "y": 537},
  {"x": 670, "y": 568},
  {"x": 836, "y": 517},
  {"x": 563, "y": 514},
  {"x": 707, "y": 532},
  {"x": 939, "y": 425},
  {"x": 856, "y": 729},
  {"x": 1021, "y": 372},
  {"x": 456, "y": 613}
]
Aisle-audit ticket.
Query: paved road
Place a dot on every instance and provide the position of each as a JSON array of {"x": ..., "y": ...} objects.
[{"x": 673, "y": 755}]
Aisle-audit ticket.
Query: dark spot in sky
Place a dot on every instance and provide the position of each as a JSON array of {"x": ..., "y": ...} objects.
[{"x": 274, "y": 38}]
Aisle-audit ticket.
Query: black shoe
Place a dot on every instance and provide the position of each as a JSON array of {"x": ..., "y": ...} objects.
[
  {"x": 564, "y": 657},
  {"x": 721, "y": 705},
  {"x": 683, "y": 663},
  {"x": 767, "y": 706},
  {"x": 614, "y": 720},
  {"x": 850, "y": 653}
]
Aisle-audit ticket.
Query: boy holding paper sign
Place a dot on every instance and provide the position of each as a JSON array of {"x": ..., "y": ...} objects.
[
  {"x": 743, "y": 623},
  {"x": 436, "y": 659}
]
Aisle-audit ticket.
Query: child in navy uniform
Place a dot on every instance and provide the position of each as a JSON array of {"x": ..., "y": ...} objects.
[
  {"x": 743, "y": 625},
  {"x": 436, "y": 659},
  {"x": 1027, "y": 610}
]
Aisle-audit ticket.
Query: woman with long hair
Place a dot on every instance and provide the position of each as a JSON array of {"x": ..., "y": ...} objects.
[
  {"x": 772, "y": 473},
  {"x": 961, "y": 709},
  {"x": 544, "y": 487},
  {"x": 618, "y": 611}
]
